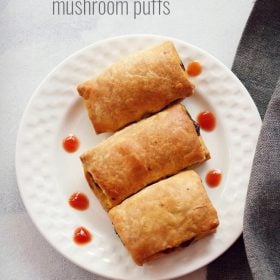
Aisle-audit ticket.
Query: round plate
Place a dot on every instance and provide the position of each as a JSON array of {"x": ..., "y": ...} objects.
[{"x": 47, "y": 175}]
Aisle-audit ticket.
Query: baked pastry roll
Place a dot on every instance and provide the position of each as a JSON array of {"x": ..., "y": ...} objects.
[
  {"x": 143, "y": 153},
  {"x": 136, "y": 86},
  {"x": 165, "y": 215}
]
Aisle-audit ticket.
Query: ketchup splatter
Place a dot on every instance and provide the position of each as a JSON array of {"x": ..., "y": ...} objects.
[
  {"x": 71, "y": 143},
  {"x": 81, "y": 236},
  {"x": 206, "y": 120},
  {"x": 79, "y": 201},
  {"x": 194, "y": 68},
  {"x": 213, "y": 178}
]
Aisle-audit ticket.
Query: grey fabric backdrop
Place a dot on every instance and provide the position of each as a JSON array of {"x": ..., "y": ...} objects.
[
  {"x": 257, "y": 64},
  {"x": 262, "y": 212}
]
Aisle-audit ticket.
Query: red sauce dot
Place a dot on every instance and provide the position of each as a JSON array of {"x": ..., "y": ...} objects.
[
  {"x": 194, "y": 68},
  {"x": 71, "y": 143},
  {"x": 206, "y": 120},
  {"x": 81, "y": 236},
  {"x": 213, "y": 178},
  {"x": 79, "y": 201}
]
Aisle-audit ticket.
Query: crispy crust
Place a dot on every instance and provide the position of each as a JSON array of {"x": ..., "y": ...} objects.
[
  {"x": 164, "y": 215},
  {"x": 134, "y": 87},
  {"x": 143, "y": 153}
]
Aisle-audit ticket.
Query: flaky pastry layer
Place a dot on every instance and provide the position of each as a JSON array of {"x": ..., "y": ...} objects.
[
  {"x": 134, "y": 87},
  {"x": 164, "y": 215},
  {"x": 143, "y": 153}
]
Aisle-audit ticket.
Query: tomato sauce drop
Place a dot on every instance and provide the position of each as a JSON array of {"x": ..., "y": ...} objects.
[
  {"x": 82, "y": 236},
  {"x": 194, "y": 68},
  {"x": 206, "y": 120},
  {"x": 213, "y": 178},
  {"x": 79, "y": 201},
  {"x": 71, "y": 143}
]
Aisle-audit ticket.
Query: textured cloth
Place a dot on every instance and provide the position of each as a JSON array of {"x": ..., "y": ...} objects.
[
  {"x": 262, "y": 211},
  {"x": 257, "y": 61},
  {"x": 257, "y": 64}
]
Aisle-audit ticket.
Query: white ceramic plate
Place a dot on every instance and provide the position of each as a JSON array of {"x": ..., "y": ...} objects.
[{"x": 47, "y": 175}]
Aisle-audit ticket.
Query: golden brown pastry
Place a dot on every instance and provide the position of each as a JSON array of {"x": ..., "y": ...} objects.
[
  {"x": 142, "y": 153},
  {"x": 134, "y": 87},
  {"x": 165, "y": 215}
]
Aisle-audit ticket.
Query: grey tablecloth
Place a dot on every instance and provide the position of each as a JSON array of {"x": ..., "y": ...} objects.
[{"x": 257, "y": 64}]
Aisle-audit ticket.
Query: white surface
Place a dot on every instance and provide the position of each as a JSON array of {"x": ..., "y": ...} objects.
[
  {"x": 32, "y": 43},
  {"x": 48, "y": 177}
]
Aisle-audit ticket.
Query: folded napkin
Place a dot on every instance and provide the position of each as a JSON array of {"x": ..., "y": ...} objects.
[{"x": 257, "y": 64}]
